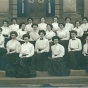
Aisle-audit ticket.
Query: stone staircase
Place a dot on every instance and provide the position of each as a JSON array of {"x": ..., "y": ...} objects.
[{"x": 77, "y": 78}]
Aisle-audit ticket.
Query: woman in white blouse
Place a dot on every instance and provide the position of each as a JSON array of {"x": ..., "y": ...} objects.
[
  {"x": 42, "y": 25},
  {"x": 85, "y": 53},
  {"x": 41, "y": 50},
  {"x": 14, "y": 26},
  {"x": 34, "y": 36},
  {"x": 55, "y": 24},
  {"x": 57, "y": 66},
  {"x": 25, "y": 58},
  {"x": 13, "y": 49},
  {"x": 21, "y": 32},
  {"x": 64, "y": 35}
]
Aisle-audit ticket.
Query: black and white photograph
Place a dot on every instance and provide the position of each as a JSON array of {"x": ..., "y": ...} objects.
[{"x": 44, "y": 43}]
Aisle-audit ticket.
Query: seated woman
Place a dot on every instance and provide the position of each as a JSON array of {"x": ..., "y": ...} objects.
[
  {"x": 55, "y": 24},
  {"x": 41, "y": 49},
  {"x": 85, "y": 53},
  {"x": 21, "y": 32},
  {"x": 74, "y": 51},
  {"x": 34, "y": 34},
  {"x": 6, "y": 31},
  {"x": 64, "y": 35},
  {"x": 79, "y": 30},
  {"x": 49, "y": 33},
  {"x": 3, "y": 51},
  {"x": 57, "y": 66},
  {"x": 42, "y": 25},
  {"x": 13, "y": 49},
  {"x": 26, "y": 55}
]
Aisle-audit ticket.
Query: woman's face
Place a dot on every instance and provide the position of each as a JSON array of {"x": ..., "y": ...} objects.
[
  {"x": 56, "y": 41},
  {"x": 68, "y": 20},
  {"x": 14, "y": 21},
  {"x": 13, "y": 36},
  {"x": 77, "y": 24},
  {"x": 42, "y": 35},
  {"x": 48, "y": 28},
  {"x": 84, "y": 20},
  {"x": 55, "y": 19},
  {"x": 35, "y": 27},
  {"x": 61, "y": 26},
  {"x": 30, "y": 21},
  {"x": 26, "y": 39},
  {"x": 42, "y": 20},
  {"x": 5, "y": 24},
  {"x": 23, "y": 26}
]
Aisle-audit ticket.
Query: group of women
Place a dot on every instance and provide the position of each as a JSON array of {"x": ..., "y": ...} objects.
[{"x": 56, "y": 47}]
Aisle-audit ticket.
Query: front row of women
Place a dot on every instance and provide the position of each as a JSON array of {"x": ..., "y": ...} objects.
[{"x": 23, "y": 60}]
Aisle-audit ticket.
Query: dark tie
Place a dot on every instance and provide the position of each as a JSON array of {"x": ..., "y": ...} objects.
[
  {"x": 41, "y": 38},
  {"x": 73, "y": 39}
]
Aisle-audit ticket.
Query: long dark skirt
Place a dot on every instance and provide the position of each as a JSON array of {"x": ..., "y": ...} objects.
[
  {"x": 75, "y": 59},
  {"x": 86, "y": 63},
  {"x": 3, "y": 51},
  {"x": 9, "y": 63},
  {"x": 25, "y": 69},
  {"x": 57, "y": 67},
  {"x": 41, "y": 61}
]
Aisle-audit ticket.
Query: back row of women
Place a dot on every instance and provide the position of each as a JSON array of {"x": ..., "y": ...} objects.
[{"x": 25, "y": 49}]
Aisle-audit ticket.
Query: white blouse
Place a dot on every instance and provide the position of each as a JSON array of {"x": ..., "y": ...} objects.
[
  {"x": 42, "y": 26},
  {"x": 55, "y": 26},
  {"x": 2, "y": 40},
  {"x": 34, "y": 36},
  {"x": 27, "y": 49},
  {"x": 75, "y": 44},
  {"x": 6, "y": 30},
  {"x": 42, "y": 44},
  {"x": 57, "y": 50},
  {"x": 84, "y": 26},
  {"x": 49, "y": 34},
  {"x": 20, "y": 34},
  {"x": 79, "y": 30},
  {"x": 14, "y": 27},
  {"x": 63, "y": 34},
  {"x": 69, "y": 26},
  {"x": 28, "y": 28},
  {"x": 13, "y": 45}
]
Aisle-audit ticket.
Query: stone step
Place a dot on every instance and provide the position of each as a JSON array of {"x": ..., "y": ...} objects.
[
  {"x": 2, "y": 74},
  {"x": 78, "y": 73}
]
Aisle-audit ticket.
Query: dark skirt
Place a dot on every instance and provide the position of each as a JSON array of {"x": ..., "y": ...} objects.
[
  {"x": 75, "y": 59},
  {"x": 57, "y": 67},
  {"x": 24, "y": 69},
  {"x": 41, "y": 61},
  {"x": 86, "y": 63},
  {"x": 9, "y": 63}
]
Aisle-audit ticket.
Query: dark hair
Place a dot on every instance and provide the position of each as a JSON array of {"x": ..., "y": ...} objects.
[
  {"x": 77, "y": 21},
  {"x": 67, "y": 18},
  {"x": 50, "y": 26},
  {"x": 55, "y": 37},
  {"x": 73, "y": 31},
  {"x": 29, "y": 18},
  {"x": 42, "y": 31},
  {"x": 13, "y": 32},
  {"x": 25, "y": 35},
  {"x": 62, "y": 24},
  {"x": 14, "y": 19},
  {"x": 34, "y": 25},
  {"x": 84, "y": 18},
  {"x": 55, "y": 17},
  {"x": 20, "y": 25},
  {"x": 5, "y": 21},
  {"x": 1, "y": 29}
]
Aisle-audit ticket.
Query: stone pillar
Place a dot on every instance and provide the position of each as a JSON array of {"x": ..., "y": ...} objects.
[
  {"x": 86, "y": 8},
  {"x": 69, "y": 8}
]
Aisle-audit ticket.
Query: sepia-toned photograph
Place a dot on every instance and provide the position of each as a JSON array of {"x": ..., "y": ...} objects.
[{"x": 44, "y": 43}]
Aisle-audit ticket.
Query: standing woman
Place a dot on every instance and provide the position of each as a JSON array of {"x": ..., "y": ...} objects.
[
  {"x": 13, "y": 49},
  {"x": 41, "y": 49},
  {"x": 42, "y": 25},
  {"x": 25, "y": 58},
  {"x": 57, "y": 66},
  {"x": 14, "y": 26},
  {"x": 34, "y": 34},
  {"x": 21, "y": 32}
]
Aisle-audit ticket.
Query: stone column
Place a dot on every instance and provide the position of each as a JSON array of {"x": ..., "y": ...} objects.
[
  {"x": 69, "y": 8},
  {"x": 86, "y": 8}
]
